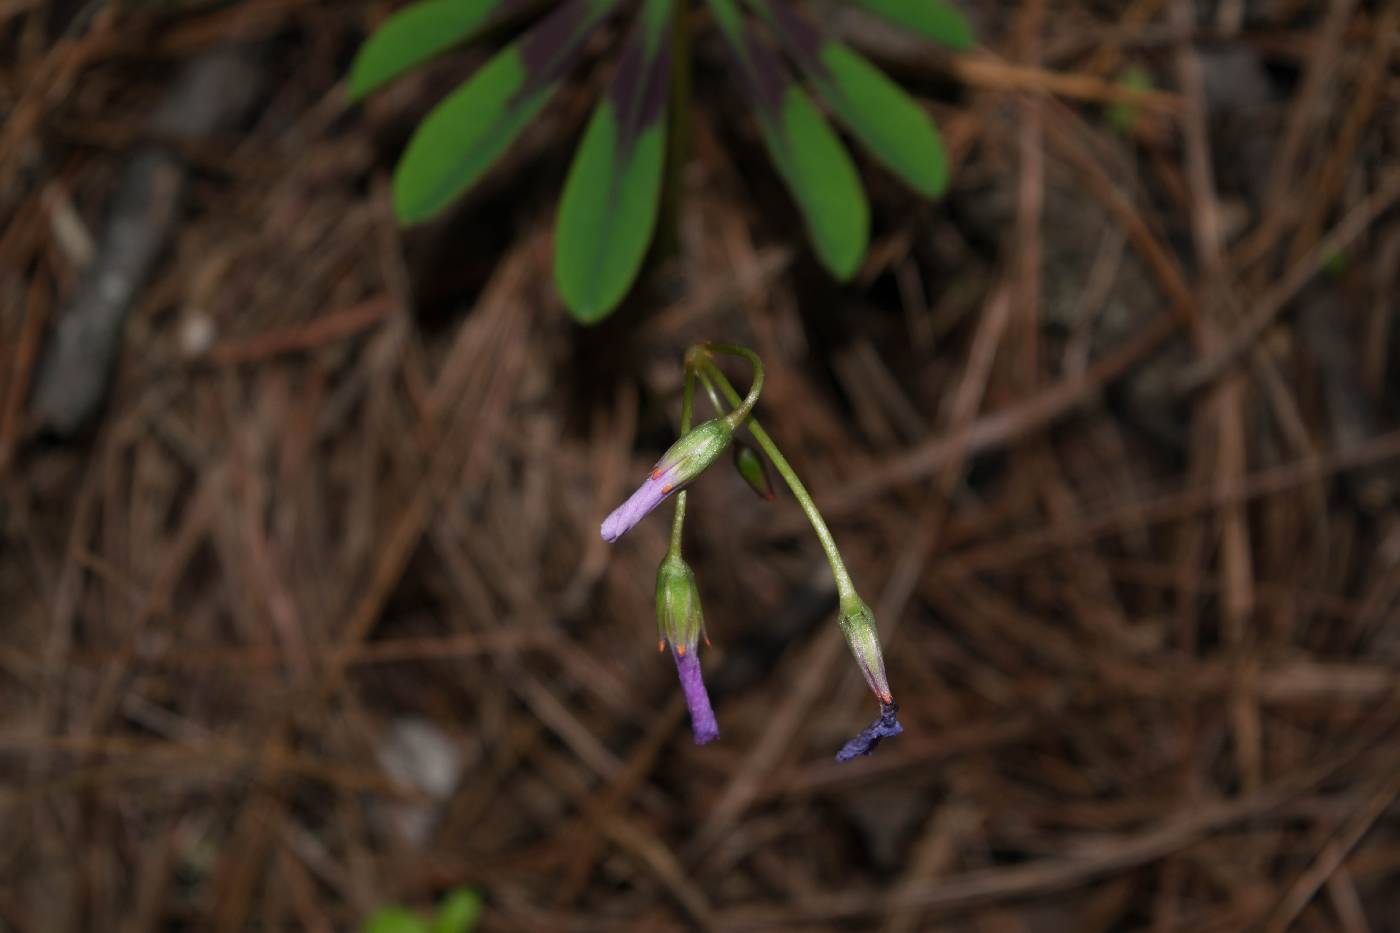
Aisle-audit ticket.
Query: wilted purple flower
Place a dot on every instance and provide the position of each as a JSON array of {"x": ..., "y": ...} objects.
[
  {"x": 884, "y": 727},
  {"x": 687, "y": 459},
  {"x": 680, "y": 622},
  {"x": 702, "y": 715},
  {"x": 858, "y": 625}
]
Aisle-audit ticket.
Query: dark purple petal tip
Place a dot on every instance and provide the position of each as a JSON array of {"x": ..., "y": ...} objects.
[
  {"x": 702, "y": 716},
  {"x": 885, "y": 726}
]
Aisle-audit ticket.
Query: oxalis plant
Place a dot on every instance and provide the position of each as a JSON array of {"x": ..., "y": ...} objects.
[
  {"x": 612, "y": 195},
  {"x": 679, "y": 618}
]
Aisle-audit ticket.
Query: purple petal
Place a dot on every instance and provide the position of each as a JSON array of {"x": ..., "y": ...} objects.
[
  {"x": 702, "y": 716},
  {"x": 884, "y": 727},
  {"x": 647, "y": 497}
]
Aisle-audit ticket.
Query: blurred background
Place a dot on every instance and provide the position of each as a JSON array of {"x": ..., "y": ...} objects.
[{"x": 303, "y": 607}]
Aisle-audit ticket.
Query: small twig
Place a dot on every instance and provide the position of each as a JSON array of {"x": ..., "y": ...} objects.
[
  {"x": 1335, "y": 852},
  {"x": 1273, "y": 302},
  {"x": 989, "y": 72},
  {"x": 298, "y": 338},
  {"x": 213, "y": 91}
]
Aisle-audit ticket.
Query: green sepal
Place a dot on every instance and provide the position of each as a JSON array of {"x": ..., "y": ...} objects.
[
  {"x": 858, "y": 625},
  {"x": 679, "y": 619},
  {"x": 693, "y": 453}
]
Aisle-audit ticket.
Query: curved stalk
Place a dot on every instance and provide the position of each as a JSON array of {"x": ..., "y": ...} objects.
[
  {"x": 742, "y": 409},
  {"x": 845, "y": 589}
]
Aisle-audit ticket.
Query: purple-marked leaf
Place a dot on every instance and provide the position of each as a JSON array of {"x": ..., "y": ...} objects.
[
  {"x": 887, "y": 121},
  {"x": 938, "y": 20},
  {"x": 608, "y": 211},
  {"x": 460, "y": 139},
  {"x": 808, "y": 155},
  {"x": 420, "y": 32}
]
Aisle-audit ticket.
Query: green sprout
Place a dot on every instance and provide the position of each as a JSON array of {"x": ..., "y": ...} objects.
[
  {"x": 1123, "y": 116},
  {"x": 458, "y": 913},
  {"x": 1335, "y": 265},
  {"x": 612, "y": 195}
]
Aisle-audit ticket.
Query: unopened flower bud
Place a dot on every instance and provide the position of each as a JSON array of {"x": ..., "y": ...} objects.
[
  {"x": 688, "y": 458},
  {"x": 858, "y": 625},
  {"x": 754, "y": 470}
]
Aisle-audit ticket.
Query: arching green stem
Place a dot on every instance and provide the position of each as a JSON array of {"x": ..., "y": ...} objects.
[
  {"x": 707, "y": 370},
  {"x": 700, "y": 354},
  {"x": 713, "y": 393}
]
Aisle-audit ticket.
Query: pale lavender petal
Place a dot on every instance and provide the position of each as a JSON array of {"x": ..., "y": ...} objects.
[
  {"x": 702, "y": 716},
  {"x": 647, "y": 497},
  {"x": 886, "y": 726}
]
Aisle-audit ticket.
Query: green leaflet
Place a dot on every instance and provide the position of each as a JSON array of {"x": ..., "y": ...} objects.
[
  {"x": 465, "y": 133},
  {"x": 462, "y": 136},
  {"x": 807, "y": 153},
  {"x": 608, "y": 212},
  {"x": 933, "y": 19},
  {"x": 654, "y": 25},
  {"x": 417, "y": 33},
  {"x": 896, "y": 129},
  {"x": 822, "y": 178},
  {"x": 888, "y": 121},
  {"x": 607, "y": 216},
  {"x": 727, "y": 15}
]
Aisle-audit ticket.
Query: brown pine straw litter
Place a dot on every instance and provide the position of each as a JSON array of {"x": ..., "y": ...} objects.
[{"x": 312, "y": 616}]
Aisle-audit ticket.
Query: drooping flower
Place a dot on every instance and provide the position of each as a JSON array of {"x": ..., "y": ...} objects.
[
  {"x": 687, "y": 459},
  {"x": 678, "y": 614},
  {"x": 680, "y": 623},
  {"x": 858, "y": 625},
  {"x": 885, "y": 726}
]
